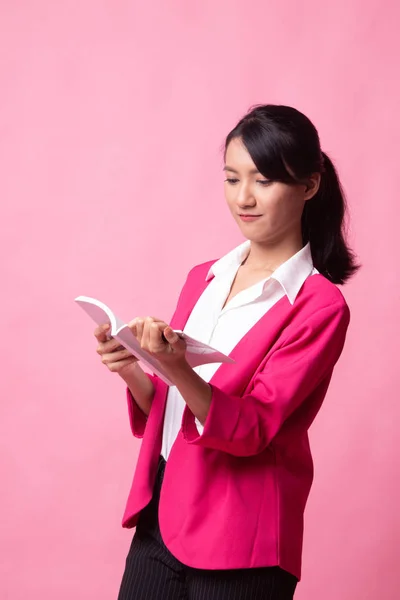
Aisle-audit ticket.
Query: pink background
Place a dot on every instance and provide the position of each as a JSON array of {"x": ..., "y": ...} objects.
[{"x": 112, "y": 115}]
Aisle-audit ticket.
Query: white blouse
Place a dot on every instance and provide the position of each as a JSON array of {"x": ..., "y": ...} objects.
[{"x": 223, "y": 328}]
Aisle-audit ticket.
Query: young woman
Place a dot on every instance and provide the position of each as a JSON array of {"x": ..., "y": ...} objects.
[{"x": 225, "y": 468}]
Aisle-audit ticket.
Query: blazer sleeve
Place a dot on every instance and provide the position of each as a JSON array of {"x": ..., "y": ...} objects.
[
  {"x": 137, "y": 418},
  {"x": 246, "y": 425}
]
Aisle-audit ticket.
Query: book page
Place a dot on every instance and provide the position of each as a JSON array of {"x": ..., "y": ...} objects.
[{"x": 197, "y": 353}]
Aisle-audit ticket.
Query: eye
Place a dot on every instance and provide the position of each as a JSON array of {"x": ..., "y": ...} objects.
[
  {"x": 231, "y": 180},
  {"x": 264, "y": 182}
]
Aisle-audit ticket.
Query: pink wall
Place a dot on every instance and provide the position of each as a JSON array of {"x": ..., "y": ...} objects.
[{"x": 111, "y": 118}]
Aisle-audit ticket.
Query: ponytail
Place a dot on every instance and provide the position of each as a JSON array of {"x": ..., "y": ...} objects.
[{"x": 324, "y": 226}]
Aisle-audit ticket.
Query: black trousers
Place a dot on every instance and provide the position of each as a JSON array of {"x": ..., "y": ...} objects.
[{"x": 153, "y": 573}]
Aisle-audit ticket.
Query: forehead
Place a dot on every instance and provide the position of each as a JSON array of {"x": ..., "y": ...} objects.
[{"x": 238, "y": 158}]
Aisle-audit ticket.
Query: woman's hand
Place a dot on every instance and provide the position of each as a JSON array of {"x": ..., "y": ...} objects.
[
  {"x": 160, "y": 340},
  {"x": 113, "y": 355},
  {"x": 121, "y": 361},
  {"x": 163, "y": 343},
  {"x": 153, "y": 335}
]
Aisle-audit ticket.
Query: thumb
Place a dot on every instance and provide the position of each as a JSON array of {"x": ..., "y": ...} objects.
[{"x": 171, "y": 336}]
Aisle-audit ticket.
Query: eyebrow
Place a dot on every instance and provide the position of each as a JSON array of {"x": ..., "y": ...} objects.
[{"x": 231, "y": 170}]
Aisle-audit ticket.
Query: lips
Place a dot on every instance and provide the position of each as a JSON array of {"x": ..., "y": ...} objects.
[{"x": 249, "y": 217}]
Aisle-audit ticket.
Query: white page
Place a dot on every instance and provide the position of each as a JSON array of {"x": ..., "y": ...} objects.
[{"x": 197, "y": 353}]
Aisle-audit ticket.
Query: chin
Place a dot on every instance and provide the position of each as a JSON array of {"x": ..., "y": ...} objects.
[{"x": 258, "y": 237}]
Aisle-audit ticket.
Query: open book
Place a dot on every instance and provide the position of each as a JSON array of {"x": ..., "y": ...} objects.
[{"x": 197, "y": 353}]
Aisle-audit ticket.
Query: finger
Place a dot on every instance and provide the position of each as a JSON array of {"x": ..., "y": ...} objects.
[
  {"x": 117, "y": 367},
  {"x": 161, "y": 326},
  {"x": 170, "y": 335},
  {"x": 101, "y": 332},
  {"x": 139, "y": 326},
  {"x": 116, "y": 356},
  {"x": 110, "y": 346},
  {"x": 153, "y": 319},
  {"x": 133, "y": 324},
  {"x": 146, "y": 337},
  {"x": 134, "y": 321},
  {"x": 156, "y": 342}
]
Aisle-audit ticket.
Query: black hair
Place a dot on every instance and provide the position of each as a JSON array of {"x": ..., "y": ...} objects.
[{"x": 284, "y": 145}]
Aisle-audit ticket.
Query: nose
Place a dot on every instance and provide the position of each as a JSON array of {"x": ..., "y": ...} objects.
[{"x": 245, "y": 198}]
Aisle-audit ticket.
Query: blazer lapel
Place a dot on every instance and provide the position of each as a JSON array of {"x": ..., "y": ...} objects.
[
  {"x": 251, "y": 350},
  {"x": 190, "y": 294}
]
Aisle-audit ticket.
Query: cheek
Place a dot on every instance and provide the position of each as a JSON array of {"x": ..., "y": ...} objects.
[
  {"x": 283, "y": 205},
  {"x": 271, "y": 204}
]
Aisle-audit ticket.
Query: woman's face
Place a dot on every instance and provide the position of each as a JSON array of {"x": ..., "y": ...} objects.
[{"x": 266, "y": 212}]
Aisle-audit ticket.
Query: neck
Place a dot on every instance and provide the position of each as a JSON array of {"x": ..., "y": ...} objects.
[{"x": 269, "y": 256}]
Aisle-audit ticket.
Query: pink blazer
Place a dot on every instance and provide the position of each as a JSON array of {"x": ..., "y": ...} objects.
[{"x": 234, "y": 497}]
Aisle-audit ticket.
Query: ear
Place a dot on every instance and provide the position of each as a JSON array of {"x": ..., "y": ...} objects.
[{"x": 312, "y": 186}]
